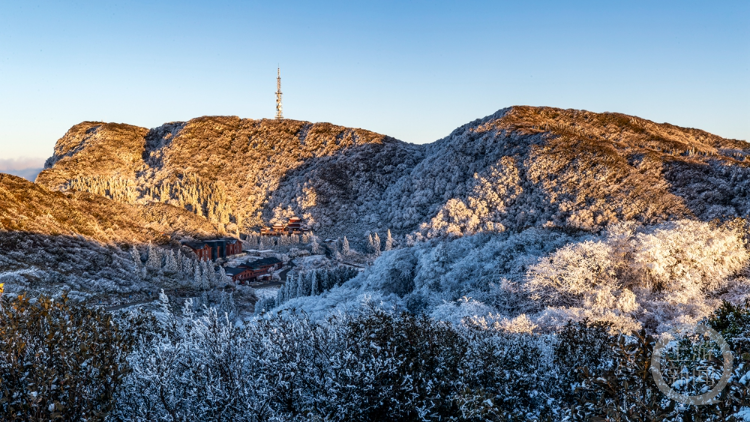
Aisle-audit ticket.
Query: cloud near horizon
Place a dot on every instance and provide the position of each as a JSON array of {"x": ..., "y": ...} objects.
[{"x": 28, "y": 168}]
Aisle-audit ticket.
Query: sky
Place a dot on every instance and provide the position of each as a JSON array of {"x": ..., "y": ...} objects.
[{"x": 414, "y": 70}]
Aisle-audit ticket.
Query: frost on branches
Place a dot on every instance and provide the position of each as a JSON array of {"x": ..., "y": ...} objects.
[{"x": 630, "y": 276}]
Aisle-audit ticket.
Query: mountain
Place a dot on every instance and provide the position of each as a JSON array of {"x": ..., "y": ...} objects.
[
  {"x": 545, "y": 167},
  {"x": 519, "y": 167},
  {"x": 235, "y": 171},
  {"x": 83, "y": 243}
]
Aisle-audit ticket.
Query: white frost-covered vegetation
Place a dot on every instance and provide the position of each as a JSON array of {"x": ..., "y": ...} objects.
[
  {"x": 101, "y": 274},
  {"x": 370, "y": 366},
  {"x": 630, "y": 275}
]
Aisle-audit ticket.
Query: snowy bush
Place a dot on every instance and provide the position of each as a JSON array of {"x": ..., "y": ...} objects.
[
  {"x": 372, "y": 366},
  {"x": 630, "y": 276},
  {"x": 59, "y": 360},
  {"x": 660, "y": 276}
]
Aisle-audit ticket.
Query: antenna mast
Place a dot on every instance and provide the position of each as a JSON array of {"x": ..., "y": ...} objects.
[{"x": 279, "y": 108}]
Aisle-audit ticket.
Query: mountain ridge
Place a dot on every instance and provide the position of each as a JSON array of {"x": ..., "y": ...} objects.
[{"x": 521, "y": 166}]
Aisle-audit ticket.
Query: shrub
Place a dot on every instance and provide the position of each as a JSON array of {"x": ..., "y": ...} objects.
[{"x": 58, "y": 360}]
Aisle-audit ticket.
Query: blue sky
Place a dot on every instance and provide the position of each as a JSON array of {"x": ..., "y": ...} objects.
[{"x": 414, "y": 70}]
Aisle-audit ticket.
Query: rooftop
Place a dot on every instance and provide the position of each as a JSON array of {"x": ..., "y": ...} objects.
[{"x": 261, "y": 262}]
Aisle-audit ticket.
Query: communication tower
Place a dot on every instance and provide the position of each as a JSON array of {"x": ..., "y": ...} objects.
[{"x": 279, "y": 108}]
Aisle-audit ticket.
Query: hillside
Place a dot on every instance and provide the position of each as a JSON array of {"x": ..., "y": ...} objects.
[
  {"x": 30, "y": 208},
  {"x": 520, "y": 167},
  {"x": 229, "y": 170},
  {"x": 83, "y": 243},
  {"x": 544, "y": 167}
]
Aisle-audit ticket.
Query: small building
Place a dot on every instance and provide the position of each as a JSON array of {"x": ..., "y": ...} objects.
[
  {"x": 270, "y": 263},
  {"x": 214, "y": 249},
  {"x": 234, "y": 246},
  {"x": 239, "y": 275},
  {"x": 201, "y": 249},
  {"x": 293, "y": 226},
  {"x": 254, "y": 271}
]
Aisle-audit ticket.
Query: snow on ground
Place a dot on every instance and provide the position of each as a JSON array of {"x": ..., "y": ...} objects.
[{"x": 266, "y": 292}]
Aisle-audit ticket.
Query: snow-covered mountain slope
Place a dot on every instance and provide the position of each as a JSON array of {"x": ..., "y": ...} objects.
[
  {"x": 544, "y": 167},
  {"x": 236, "y": 171},
  {"x": 84, "y": 244},
  {"x": 30, "y": 208},
  {"x": 520, "y": 167}
]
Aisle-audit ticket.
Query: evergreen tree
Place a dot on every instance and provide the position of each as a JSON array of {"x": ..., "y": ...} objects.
[
  {"x": 212, "y": 278},
  {"x": 179, "y": 263},
  {"x": 136, "y": 259},
  {"x": 376, "y": 244},
  {"x": 314, "y": 290},
  {"x": 345, "y": 248},
  {"x": 280, "y": 293},
  {"x": 170, "y": 263},
  {"x": 300, "y": 285},
  {"x": 198, "y": 276},
  {"x": 223, "y": 277},
  {"x": 227, "y": 308},
  {"x": 315, "y": 247},
  {"x": 324, "y": 281},
  {"x": 154, "y": 258},
  {"x": 291, "y": 289},
  {"x": 187, "y": 268},
  {"x": 204, "y": 276}
]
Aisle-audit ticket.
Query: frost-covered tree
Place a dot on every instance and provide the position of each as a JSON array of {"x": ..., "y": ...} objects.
[
  {"x": 314, "y": 289},
  {"x": 223, "y": 277},
  {"x": 373, "y": 244},
  {"x": 301, "y": 282},
  {"x": 154, "y": 257},
  {"x": 188, "y": 266},
  {"x": 205, "y": 276},
  {"x": 213, "y": 276},
  {"x": 389, "y": 241},
  {"x": 376, "y": 244},
  {"x": 666, "y": 270},
  {"x": 264, "y": 305},
  {"x": 136, "y": 259},
  {"x": 198, "y": 277},
  {"x": 60, "y": 360},
  {"x": 280, "y": 298},
  {"x": 170, "y": 263},
  {"x": 345, "y": 247},
  {"x": 315, "y": 246}
]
